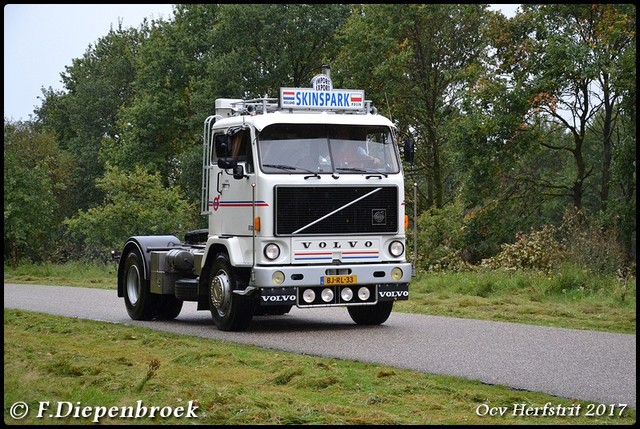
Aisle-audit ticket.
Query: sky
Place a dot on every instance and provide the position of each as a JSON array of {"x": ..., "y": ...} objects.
[{"x": 41, "y": 39}]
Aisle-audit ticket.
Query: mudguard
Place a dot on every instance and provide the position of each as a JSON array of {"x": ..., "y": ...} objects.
[{"x": 144, "y": 245}]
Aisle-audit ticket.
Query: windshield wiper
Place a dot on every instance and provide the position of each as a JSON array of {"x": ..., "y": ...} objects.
[
  {"x": 280, "y": 166},
  {"x": 362, "y": 170},
  {"x": 292, "y": 167}
]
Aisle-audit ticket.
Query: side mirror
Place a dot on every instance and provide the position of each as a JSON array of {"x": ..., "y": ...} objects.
[
  {"x": 409, "y": 150},
  {"x": 227, "y": 163},
  {"x": 222, "y": 144},
  {"x": 238, "y": 172}
]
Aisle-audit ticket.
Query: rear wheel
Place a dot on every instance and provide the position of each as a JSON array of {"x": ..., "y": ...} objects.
[
  {"x": 230, "y": 311},
  {"x": 140, "y": 303},
  {"x": 371, "y": 314},
  {"x": 169, "y": 307}
]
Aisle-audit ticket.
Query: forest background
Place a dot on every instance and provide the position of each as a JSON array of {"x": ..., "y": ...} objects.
[{"x": 525, "y": 127}]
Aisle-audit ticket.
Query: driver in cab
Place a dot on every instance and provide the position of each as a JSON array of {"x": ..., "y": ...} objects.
[{"x": 350, "y": 153}]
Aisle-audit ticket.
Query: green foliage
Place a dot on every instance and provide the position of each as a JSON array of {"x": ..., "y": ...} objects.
[
  {"x": 455, "y": 238},
  {"x": 84, "y": 118},
  {"x": 153, "y": 124},
  {"x": 440, "y": 233},
  {"x": 452, "y": 238},
  {"x": 94, "y": 274},
  {"x": 415, "y": 80},
  {"x": 136, "y": 203},
  {"x": 576, "y": 242},
  {"x": 286, "y": 46},
  {"x": 538, "y": 250},
  {"x": 36, "y": 181},
  {"x": 496, "y": 106},
  {"x": 590, "y": 247},
  {"x": 570, "y": 278},
  {"x": 569, "y": 297}
]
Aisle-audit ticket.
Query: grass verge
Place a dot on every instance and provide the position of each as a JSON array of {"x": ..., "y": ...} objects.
[
  {"x": 568, "y": 298},
  {"x": 78, "y": 366}
]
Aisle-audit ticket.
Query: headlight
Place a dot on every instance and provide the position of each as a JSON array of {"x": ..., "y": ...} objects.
[
  {"x": 326, "y": 295},
  {"x": 272, "y": 251},
  {"x": 363, "y": 293},
  {"x": 396, "y": 248},
  {"x": 308, "y": 296},
  {"x": 346, "y": 294}
]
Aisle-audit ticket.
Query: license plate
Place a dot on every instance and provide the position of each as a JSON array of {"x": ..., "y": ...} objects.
[{"x": 338, "y": 280}]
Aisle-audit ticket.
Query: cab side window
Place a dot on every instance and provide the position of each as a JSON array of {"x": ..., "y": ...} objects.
[{"x": 241, "y": 149}]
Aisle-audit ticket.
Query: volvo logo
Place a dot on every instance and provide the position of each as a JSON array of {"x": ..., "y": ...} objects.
[
  {"x": 394, "y": 294},
  {"x": 336, "y": 244},
  {"x": 278, "y": 298},
  {"x": 378, "y": 216}
]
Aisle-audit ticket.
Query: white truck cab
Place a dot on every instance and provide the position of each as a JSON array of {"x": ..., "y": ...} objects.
[{"x": 305, "y": 206}]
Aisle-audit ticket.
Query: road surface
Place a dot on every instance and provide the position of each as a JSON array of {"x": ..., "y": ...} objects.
[{"x": 592, "y": 366}]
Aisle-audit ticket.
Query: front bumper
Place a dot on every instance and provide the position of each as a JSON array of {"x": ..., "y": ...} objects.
[
  {"x": 315, "y": 275},
  {"x": 332, "y": 285}
]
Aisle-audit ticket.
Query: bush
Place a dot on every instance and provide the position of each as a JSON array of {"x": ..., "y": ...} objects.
[
  {"x": 576, "y": 242},
  {"x": 440, "y": 234},
  {"x": 538, "y": 250},
  {"x": 592, "y": 248}
]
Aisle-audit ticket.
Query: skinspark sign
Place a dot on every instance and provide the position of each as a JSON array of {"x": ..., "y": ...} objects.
[{"x": 309, "y": 98}]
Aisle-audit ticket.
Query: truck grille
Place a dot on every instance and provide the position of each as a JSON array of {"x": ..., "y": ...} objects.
[{"x": 317, "y": 210}]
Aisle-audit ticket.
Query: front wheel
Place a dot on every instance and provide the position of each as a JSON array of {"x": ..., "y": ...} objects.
[
  {"x": 230, "y": 311},
  {"x": 371, "y": 314},
  {"x": 140, "y": 303}
]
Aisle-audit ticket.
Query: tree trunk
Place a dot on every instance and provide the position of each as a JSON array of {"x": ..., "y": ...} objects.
[{"x": 606, "y": 146}]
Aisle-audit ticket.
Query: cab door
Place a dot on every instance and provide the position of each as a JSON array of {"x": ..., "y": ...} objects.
[{"x": 232, "y": 190}]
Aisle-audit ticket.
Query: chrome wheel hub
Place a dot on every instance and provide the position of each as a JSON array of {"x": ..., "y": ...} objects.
[
  {"x": 133, "y": 284},
  {"x": 221, "y": 292}
]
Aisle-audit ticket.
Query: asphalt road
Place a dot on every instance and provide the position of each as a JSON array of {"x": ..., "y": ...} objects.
[{"x": 592, "y": 366}]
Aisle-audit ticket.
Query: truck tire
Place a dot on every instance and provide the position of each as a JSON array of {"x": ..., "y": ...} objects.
[
  {"x": 169, "y": 307},
  {"x": 230, "y": 311},
  {"x": 371, "y": 314},
  {"x": 140, "y": 303}
]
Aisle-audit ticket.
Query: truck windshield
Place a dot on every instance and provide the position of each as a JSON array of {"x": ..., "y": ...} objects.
[{"x": 304, "y": 148}]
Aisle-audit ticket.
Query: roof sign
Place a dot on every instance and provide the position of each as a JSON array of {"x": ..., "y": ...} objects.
[
  {"x": 321, "y": 96},
  {"x": 308, "y": 98},
  {"x": 322, "y": 82}
]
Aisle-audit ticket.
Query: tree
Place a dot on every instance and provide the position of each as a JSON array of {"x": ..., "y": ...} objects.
[
  {"x": 570, "y": 64},
  {"x": 136, "y": 203},
  {"x": 36, "y": 192},
  {"x": 153, "y": 125},
  {"x": 208, "y": 52},
  {"x": 612, "y": 40},
  {"x": 84, "y": 117},
  {"x": 260, "y": 48},
  {"x": 418, "y": 58}
]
